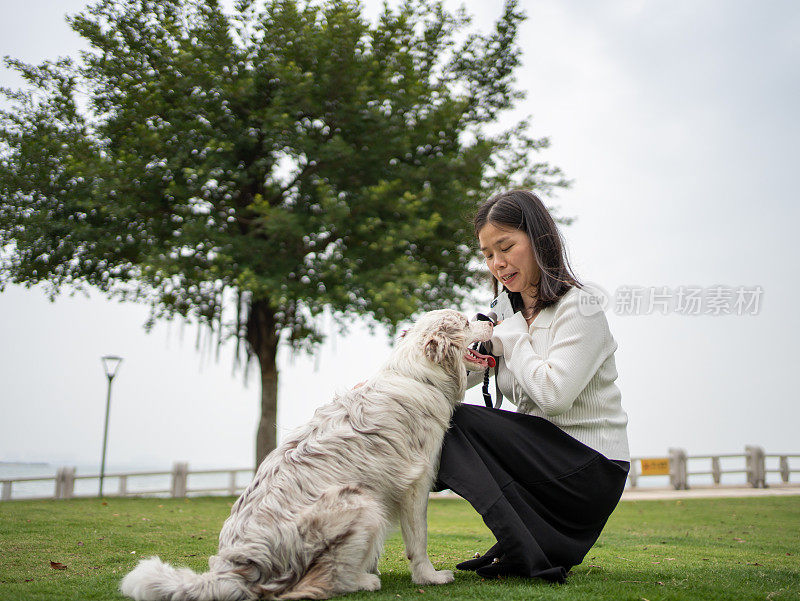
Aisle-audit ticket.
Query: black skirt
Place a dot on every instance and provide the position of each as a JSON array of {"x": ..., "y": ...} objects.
[{"x": 544, "y": 495}]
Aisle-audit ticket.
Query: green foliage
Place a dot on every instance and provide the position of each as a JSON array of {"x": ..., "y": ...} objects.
[
  {"x": 725, "y": 549},
  {"x": 292, "y": 153}
]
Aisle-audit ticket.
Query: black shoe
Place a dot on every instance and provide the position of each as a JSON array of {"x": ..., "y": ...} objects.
[
  {"x": 504, "y": 567},
  {"x": 474, "y": 564},
  {"x": 479, "y": 562},
  {"x": 500, "y": 567}
]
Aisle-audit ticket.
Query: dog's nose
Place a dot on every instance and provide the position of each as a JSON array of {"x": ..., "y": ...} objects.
[{"x": 482, "y": 330}]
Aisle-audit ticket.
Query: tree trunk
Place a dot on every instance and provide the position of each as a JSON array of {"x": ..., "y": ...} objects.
[{"x": 263, "y": 340}]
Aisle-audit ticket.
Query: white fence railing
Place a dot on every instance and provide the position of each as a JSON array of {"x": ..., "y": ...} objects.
[
  {"x": 754, "y": 464},
  {"x": 178, "y": 478}
]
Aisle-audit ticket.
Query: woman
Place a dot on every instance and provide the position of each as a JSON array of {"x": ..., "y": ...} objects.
[{"x": 546, "y": 478}]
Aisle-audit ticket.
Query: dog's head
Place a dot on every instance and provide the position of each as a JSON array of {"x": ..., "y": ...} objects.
[{"x": 444, "y": 336}]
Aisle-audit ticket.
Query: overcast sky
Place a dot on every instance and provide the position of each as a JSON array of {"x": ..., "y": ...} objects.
[{"x": 678, "y": 122}]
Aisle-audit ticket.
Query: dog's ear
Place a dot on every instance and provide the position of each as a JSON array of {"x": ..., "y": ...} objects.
[{"x": 435, "y": 347}]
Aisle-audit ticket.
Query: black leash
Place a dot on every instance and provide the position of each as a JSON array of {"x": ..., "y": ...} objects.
[{"x": 481, "y": 348}]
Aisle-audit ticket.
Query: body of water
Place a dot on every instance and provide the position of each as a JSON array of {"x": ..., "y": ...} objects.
[{"x": 160, "y": 485}]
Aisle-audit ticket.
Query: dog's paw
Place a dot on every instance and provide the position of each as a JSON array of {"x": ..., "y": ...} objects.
[
  {"x": 434, "y": 577},
  {"x": 369, "y": 582}
]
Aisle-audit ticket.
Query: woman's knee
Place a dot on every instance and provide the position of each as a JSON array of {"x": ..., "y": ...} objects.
[{"x": 469, "y": 417}]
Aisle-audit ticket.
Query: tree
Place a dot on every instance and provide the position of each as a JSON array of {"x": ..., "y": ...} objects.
[{"x": 279, "y": 159}]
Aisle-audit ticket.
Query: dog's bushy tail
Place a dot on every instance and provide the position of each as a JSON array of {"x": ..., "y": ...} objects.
[{"x": 154, "y": 580}]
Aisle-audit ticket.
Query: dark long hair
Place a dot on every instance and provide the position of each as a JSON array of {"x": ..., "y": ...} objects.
[{"x": 523, "y": 210}]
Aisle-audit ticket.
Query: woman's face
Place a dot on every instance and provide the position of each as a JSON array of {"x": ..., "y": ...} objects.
[{"x": 509, "y": 256}]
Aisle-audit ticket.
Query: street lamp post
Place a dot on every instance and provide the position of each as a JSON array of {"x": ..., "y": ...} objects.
[{"x": 111, "y": 365}]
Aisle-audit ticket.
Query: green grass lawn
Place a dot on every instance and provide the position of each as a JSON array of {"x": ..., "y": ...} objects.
[{"x": 695, "y": 549}]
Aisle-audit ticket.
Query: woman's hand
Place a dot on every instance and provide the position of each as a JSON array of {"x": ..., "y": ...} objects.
[{"x": 505, "y": 335}]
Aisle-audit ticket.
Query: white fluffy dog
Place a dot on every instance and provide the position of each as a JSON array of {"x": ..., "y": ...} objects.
[{"x": 312, "y": 523}]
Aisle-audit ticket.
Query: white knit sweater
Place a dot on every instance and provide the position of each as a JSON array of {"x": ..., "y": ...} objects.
[{"x": 562, "y": 369}]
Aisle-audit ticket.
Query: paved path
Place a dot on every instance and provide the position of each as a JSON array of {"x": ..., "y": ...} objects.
[
  {"x": 710, "y": 492},
  {"x": 644, "y": 494}
]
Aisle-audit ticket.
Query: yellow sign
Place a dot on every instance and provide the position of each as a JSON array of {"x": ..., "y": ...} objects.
[{"x": 657, "y": 466}]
